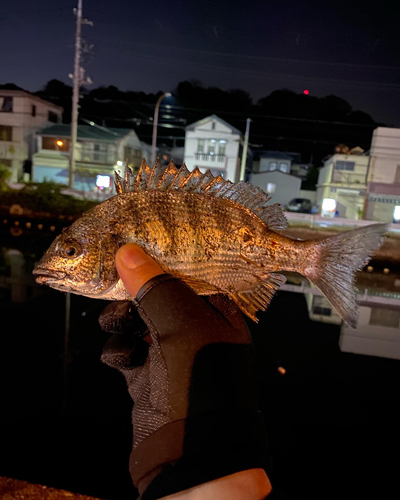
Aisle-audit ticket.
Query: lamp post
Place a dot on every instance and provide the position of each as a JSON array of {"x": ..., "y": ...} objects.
[{"x": 155, "y": 125}]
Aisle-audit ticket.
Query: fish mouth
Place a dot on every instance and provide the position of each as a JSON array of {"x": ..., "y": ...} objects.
[{"x": 43, "y": 275}]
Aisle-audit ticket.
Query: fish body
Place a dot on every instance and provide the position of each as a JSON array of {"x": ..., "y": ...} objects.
[{"x": 216, "y": 236}]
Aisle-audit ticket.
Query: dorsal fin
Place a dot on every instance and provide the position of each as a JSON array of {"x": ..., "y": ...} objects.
[
  {"x": 169, "y": 178},
  {"x": 142, "y": 177}
]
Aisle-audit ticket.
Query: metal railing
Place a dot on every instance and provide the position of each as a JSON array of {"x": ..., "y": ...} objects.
[
  {"x": 89, "y": 155},
  {"x": 316, "y": 221},
  {"x": 210, "y": 157}
]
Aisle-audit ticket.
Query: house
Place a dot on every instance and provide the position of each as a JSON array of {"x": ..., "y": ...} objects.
[
  {"x": 282, "y": 187},
  {"x": 344, "y": 179},
  {"x": 382, "y": 201},
  {"x": 271, "y": 161},
  {"x": 212, "y": 143},
  {"x": 99, "y": 152},
  {"x": 21, "y": 115}
]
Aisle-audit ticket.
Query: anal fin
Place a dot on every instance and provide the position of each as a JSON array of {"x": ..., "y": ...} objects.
[{"x": 259, "y": 297}]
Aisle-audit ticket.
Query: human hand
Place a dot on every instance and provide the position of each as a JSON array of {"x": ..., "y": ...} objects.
[{"x": 189, "y": 370}]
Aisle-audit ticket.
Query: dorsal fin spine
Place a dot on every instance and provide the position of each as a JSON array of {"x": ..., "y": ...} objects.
[{"x": 169, "y": 178}]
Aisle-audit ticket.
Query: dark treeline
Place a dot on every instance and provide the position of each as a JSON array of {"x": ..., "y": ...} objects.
[{"x": 282, "y": 120}]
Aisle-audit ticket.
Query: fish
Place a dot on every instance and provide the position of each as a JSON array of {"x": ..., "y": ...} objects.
[{"x": 217, "y": 236}]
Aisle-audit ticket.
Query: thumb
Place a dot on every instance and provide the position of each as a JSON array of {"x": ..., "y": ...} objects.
[{"x": 135, "y": 267}]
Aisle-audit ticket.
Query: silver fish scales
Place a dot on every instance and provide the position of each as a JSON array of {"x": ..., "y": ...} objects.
[{"x": 217, "y": 236}]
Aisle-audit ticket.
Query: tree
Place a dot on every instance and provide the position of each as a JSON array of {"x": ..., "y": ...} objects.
[
  {"x": 4, "y": 175},
  {"x": 310, "y": 182}
]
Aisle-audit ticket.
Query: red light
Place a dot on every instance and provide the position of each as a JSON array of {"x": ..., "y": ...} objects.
[{"x": 306, "y": 92}]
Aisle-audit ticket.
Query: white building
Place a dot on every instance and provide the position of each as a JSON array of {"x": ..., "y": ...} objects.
[
  {"x": 281, "y": 187},
  {"x": 383, "y": 199},
  {"x": 21, "y": 116},
  {"x": 99, "y": 152},
  {"x": 212, "y": 143},
  {"x": 344, "y": 178},
  {"x": 377, "y": 332},
  {"x": 271, "y": 161}
]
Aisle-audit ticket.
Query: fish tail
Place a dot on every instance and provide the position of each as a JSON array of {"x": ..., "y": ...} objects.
[{"x": 340, "y": 256}]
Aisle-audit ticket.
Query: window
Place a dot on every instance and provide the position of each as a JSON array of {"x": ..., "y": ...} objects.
[
  {"x": 213, "y": 125},
  {"x": 5, "y": 133},
  {"x": 345, "y": 165},
  {"x": 272, "y": 166},
  {"x": 6, "y": 104},
  {"x": 128, "y": 153},
  {"x": 321, "y": 306},
  {"x": 100, "y": 152},
  {"x": 384, "y": 317},
  {"x": 201, "y": 145},
  {"x": 52, "y": 117},
  {"x": 212, "y": 143},
  {"x": 54, "y": 144},
  {"x": 284, "y": 167},
  {"x": 222, "y": 147},
  {"x": 271, "y": 188},
  {"x": 33, "y": 110},
  {"x": 137, "y": 153}
]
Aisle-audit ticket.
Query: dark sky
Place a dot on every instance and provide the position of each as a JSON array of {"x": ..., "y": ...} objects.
[{"x": 347, "y": 48}]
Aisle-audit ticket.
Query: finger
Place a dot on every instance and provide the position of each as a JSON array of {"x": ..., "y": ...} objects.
[{"x": 135, "y": 267}]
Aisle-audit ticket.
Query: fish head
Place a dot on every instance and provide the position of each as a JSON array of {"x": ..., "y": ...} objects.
[{"x": 80, "y": 260}]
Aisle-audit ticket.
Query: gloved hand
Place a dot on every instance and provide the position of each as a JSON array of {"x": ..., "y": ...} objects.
[{"x": 188, "y": 364}]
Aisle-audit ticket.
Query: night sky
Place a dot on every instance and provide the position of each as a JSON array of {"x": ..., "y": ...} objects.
[{"x": 347, "y": 48}]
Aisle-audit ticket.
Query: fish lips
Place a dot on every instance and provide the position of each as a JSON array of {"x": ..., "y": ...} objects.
[{"x": 45, "y": 276}]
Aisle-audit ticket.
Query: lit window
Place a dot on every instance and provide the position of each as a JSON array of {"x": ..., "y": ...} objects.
[
  {"x": 284, "y": 167},
  {"x": 271, "y": 188},
  {"x": 272, "y": 166},
  {"x": 396, "y": 213}
]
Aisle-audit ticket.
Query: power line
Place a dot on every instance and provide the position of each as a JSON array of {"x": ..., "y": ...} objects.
[
  {"x": 262, "y": 74},
  {"x": 238, "y": 113},
  {"x": 256, "y": 57}
]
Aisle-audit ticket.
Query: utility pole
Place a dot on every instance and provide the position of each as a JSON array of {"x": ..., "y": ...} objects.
[
  {"x": 244, "y": 154},
  {"x": 78, "y": 80}
]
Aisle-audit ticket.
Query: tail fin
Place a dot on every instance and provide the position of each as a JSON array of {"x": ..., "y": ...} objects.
[{"x": 341, "y": 256}]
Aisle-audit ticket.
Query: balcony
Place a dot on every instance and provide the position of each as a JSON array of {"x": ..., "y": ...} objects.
[
  {"x": 347, "y": 177},
  {"x": 210, "y": 158},
  {"x": 91, "y": 156}
]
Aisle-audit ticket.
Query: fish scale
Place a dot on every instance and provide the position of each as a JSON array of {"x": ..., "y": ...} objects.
[{"x": 217, "y": 236}]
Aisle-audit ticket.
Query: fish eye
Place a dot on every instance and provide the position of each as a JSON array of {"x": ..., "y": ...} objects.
[{"x": 72, "y": 249}]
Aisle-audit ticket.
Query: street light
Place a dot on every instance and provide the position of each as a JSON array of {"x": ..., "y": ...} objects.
[{"x": 155, "y": 124}]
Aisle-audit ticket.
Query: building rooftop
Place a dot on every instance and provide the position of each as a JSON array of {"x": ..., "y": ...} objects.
[
  {"x": 5, "y": 90},
  {"x": 192, "y": 126},
  {"x": 94, "y": 132}
]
